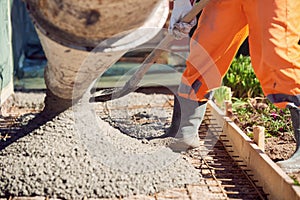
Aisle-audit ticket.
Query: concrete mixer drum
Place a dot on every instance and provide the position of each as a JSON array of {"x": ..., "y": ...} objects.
[{"x": 84, "y": 23}]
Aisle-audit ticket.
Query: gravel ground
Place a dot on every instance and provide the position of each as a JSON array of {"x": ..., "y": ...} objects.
[{"x": 78, "y": 155}]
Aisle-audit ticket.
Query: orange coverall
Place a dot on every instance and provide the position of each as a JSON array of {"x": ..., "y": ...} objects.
[{"x": 273, "y": 27}]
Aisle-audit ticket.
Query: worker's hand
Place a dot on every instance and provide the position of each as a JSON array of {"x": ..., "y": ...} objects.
[
  {"x": 182, "y": 29},
  {"x": 177, "y": 28}
]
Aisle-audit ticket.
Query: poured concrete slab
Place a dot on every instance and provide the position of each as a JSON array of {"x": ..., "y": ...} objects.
[{"x": 58, "y": 159}]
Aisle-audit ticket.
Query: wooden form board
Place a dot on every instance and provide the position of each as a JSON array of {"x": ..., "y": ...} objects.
[{"x": 270, "y": 176}]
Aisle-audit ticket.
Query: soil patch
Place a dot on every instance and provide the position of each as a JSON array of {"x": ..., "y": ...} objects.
[{"x": 279, "y": 145}]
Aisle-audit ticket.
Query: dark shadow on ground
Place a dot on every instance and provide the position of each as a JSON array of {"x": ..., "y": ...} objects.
[
  {"x": 16, "y": 128},
  {"x": 12, "y": 129}
]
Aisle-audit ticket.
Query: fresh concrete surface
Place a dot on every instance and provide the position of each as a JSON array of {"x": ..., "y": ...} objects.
[{"x": 77, "y": 154}]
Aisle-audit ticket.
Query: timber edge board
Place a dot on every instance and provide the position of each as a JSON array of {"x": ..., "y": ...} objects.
[{"x": 270, "y": 176}]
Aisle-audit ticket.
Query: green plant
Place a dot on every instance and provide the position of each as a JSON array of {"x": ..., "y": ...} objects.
[
  {"x": 250, "y": 107},
  {"x": 296, "y": 182},
  {"x": 221, "y": 95},
  {"x": 261, "y": 112},
  {"x": 241, "y": 78}
]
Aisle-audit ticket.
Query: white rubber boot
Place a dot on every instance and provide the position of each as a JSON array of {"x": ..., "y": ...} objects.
[
  {"x": 293, "y": 163},
  {"x": 186, "y": 120}
]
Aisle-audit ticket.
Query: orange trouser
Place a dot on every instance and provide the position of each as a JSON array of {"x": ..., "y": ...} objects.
[{"x": 273, "y": 27}]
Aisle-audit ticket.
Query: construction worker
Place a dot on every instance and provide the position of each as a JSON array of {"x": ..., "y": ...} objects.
[{"x": 274, "y": 32}]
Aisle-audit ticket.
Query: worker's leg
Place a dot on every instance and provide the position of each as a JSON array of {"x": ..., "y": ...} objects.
[
  {"x": 275, "y": 55},
  {"x": 293, "y": 164},
  {"x": 222, "y": 29},
  {"x": 187, "y": 115}
]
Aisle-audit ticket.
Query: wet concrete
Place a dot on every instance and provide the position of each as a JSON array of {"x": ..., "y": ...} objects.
[{"x": 77, "y": 154}]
